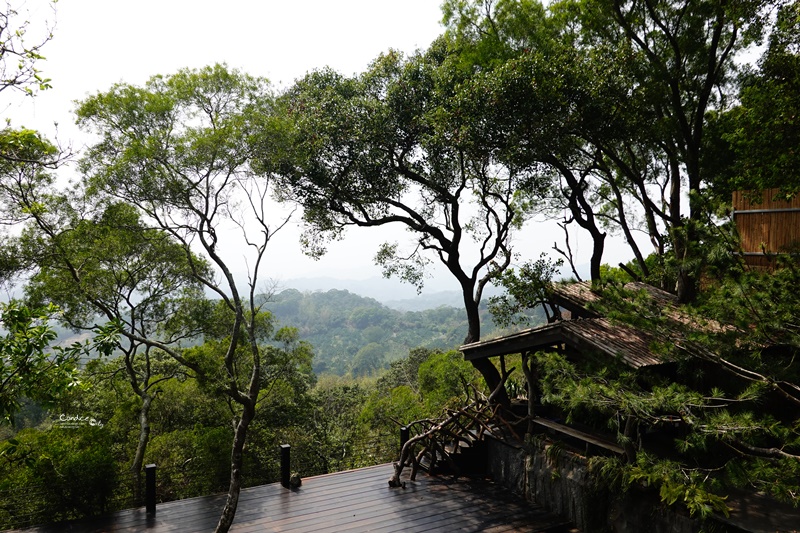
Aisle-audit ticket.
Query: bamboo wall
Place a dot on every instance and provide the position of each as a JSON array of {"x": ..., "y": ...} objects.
[{"x": 769, "y": 226}]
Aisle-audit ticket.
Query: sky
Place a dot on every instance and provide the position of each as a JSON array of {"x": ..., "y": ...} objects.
[{"x": 97, "y": 43}]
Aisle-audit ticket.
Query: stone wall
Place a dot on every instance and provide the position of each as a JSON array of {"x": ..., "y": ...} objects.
[{"x": 559, "y": 480}]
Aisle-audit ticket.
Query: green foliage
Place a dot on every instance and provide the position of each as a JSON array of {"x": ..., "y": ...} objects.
[
  {"x": 420, "y": 386},
  {"x": 677, "y": 484},
  {"x": 589, "y": 106},
  {"x": 340, "y": 324},
  {"x": 18, "y": 55},
  {"x": 398, "y": 144},
  {"x": 405, "y": 371},
  {"x": 608, "y": 101},
  {"x": 726, "y": 418},
  {"x": 334, "y": 426},
  {"x": 762, "y": 133},
  {"x": 492, "y": 31},
  {"x": 615, "y": 399},
  {"x": 445, "y": 380},
  {"x": 106, "y": 264},
  {"x": 191, "y": 462},
  {"x": 760, "y": 311},
  {"x": 286, "y": 371},
  {"x": 29, "y": 366},
  {"x": 25, "y": 188},
  {"x": 177, "y": 150},
  {"x": 392, "y": 410},
  {"x": 526, "y": 289},
  {"x": 71, "y": 473},
  {"x": 368, "y": 360},
  {"x": 193, "y": 120}
]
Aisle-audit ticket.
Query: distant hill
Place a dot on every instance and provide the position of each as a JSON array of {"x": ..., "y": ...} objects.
[
  {"x": 352, "y": 333},
  {"x": 358, "y": 334},
  {"x": 381, "y": 289},
  {"x": 390, "y": 292}
]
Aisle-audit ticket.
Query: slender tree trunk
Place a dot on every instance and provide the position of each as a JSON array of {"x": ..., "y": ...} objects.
[
  {"x": 144, "y": 433},
  {"x": 583, "y": 213},
  {"x": 237, "y": 457},
  {"x": 531, "y": 381},
  {"x": 626, "y": 229},
  {"x": 141, "y": 447},
  {"x": 687, "y": 287}
]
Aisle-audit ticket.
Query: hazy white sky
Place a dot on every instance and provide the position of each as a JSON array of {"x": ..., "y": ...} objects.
[{"x": 100, "y": 42}]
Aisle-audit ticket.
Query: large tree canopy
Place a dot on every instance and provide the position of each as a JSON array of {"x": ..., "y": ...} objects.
[
  {"x": 757, "y": 140},
  {"x": 177, "y": 150},
  {"x": 399, "y": 144},
  {"x": 110, "y": 267},
  {"x": 647, "y": 73}
]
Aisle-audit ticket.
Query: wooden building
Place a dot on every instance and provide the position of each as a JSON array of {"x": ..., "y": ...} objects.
[{"x": 767, "y": 226}]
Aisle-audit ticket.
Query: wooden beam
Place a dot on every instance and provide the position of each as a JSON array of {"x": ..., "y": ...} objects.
[
  {"x": 527, "y": 340},
  {"x": 580, "y": 435}
]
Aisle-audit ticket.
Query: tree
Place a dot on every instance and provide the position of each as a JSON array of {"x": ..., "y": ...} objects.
[
  {"x": 29, "y": 366},
  {"x": 19, "y": 72},
  {"x": 97, "y": 261},
  {"x": 50, "y": 462},
  {"x": 111, "y": 273},
  {"x": 635, "y": 80},
  {"x": 394, "y": 146},
  {"x": 687, "y": 53},
  {"x": 528, "y": 287},
  {"x": 177, "y": 150},
  {"x": 22, "y": 176},
  {"x": 18, "y": 56},
  {"x": 544, "y": 99},
  {"x": 760, "y": 135}
]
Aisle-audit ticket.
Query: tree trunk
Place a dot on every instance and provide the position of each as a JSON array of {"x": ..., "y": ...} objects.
[
  {"x": 687, "y": 282},
  {"x": 598, "y": 244},
  {"x": 237, "y": 456},
  {"x": 531, "y": 381},
  {"x": 141, "y": 447},
  {"x": 489, "y": 372},
  {"x": 626, "y": 230},
  {"x": 583, "y": 214}
]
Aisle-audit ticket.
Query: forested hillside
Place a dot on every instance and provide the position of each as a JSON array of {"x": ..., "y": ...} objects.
[{"x": 358, "y": 335}]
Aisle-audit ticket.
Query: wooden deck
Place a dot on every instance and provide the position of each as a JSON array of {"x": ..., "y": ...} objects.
[{"x": 358, "y": 500}]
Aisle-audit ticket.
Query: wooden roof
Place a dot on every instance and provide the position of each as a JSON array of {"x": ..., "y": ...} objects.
[
  {"x": 591, "y": 332},
  {"x": 595, "y": 334},
  {"x": 579, "y": 297},
  {"x": 575, "y": 297},
  {"x": 357, "y": 500}
]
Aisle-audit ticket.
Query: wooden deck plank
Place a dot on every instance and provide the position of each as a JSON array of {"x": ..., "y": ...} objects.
[{"x": 358, "y": 500}]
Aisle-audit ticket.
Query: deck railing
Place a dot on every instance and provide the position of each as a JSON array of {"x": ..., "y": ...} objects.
[{"x": 69, "y": 499}]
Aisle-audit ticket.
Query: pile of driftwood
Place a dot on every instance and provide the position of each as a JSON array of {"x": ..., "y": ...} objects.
[{"x": 437, "y": 440}]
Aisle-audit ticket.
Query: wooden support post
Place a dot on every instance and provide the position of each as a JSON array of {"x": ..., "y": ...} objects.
[
  {"x": 403, "y": 437},
  {"x": 150, "y": 488},
  {"x": 285, "y": 466}
]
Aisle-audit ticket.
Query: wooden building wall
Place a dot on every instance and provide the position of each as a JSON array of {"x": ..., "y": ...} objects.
[{"x": 771, "y": 226}]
